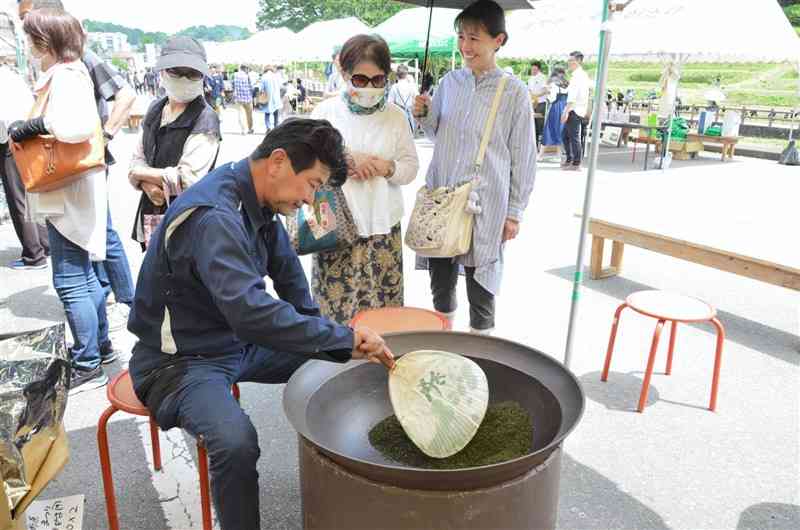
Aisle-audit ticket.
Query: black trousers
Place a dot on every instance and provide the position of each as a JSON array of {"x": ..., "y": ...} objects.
[
  {"x": 540, "y": 108},
  {"x": 444, "y": 278},
  {"x": 572, "y": 139},
  {"x": 33, "y": 237}
]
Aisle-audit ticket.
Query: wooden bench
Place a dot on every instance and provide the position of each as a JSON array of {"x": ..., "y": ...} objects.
[
  {"x": 728, "y": 143},
  {"x": 620, "y": 235}
]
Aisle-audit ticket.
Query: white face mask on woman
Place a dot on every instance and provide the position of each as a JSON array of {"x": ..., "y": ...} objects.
[
  {"x": 366, "y": 97},
  {"x": 181, "y": 89}
]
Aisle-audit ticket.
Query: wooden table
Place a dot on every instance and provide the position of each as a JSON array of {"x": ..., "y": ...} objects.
[
  {"x": 736, "y": 219},
  {"x": 728, "y": 143},
  {"x": 659, "y": 142}
]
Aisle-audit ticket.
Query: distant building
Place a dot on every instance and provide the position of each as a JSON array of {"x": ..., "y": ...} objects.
[
  {"x": 110, "y": 43},
  {"x": 8, "y": 39}
]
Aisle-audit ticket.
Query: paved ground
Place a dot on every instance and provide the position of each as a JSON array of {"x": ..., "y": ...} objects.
[{"x": 675, "y": 466}]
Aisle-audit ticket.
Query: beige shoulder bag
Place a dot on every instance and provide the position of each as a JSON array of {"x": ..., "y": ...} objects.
[{"x": 441, "y": 222}]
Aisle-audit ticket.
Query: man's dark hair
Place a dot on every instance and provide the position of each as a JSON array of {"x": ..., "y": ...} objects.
[
  {"x": 306, "y": 141},
  {"x": 362, "y": 48},
  {"x": 484, "y": 13},
  {"x": 537, "y": 64},
  {"x": 578, "y": 56}
]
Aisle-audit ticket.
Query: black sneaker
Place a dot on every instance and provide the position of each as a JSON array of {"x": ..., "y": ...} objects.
[
  {"x": 107, "y": 353},
  {"x": 82, "y": 380}
]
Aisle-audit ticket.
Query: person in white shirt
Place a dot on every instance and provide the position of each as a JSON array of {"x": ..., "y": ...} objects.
[
  {"x": 75, "y": 215},
  {"x": 575, "y": 111},
  {"x": 370, "y": 273},
  {"x": 403, "y": 93},
  {"x": 335, "y": 80},
  {"x": 537, "y": 86}
]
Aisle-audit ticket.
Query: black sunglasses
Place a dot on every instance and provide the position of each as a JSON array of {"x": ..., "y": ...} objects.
[
  {"x": 361, "y": 81},
  {"x": 188, "y": 73}
]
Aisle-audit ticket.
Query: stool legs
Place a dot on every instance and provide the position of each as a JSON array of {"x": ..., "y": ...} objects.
[
  {"x": 611, "y": 340},
  {"x": 156, "y": 444},
  {"x": 105, "y": 467},
  {"x": 712, "y": 405},
  {"x": 672, "y": 334},
  {"x": 650, "y": 362},
  {"x": 205, "y": 497}
]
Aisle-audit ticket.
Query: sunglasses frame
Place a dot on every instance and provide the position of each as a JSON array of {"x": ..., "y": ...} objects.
[
  {"x": 369, "y": 80},
  {"x": 197, "y": 74}
]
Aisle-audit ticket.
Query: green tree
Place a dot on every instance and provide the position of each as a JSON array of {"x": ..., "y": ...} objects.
[
  {"x": 219, "y": 33},
  {"x": 297, "y": 14},
  {"x": 120, "y": 64}
]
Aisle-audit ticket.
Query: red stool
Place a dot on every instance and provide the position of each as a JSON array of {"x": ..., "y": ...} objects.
[
  {"x": 389, "y": 319},
  {"x": 675, "y": 308},
  {"x": 122, "y": 397}
]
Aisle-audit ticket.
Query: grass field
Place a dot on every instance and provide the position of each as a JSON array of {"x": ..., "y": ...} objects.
[{"x": 753, "y": 84}]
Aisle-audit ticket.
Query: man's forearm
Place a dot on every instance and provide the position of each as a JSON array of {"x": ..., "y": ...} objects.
[{"x": 123, "y": 101}]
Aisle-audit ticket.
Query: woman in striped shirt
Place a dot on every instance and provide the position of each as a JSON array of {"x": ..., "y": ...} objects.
[{"x": 454, "y": 119}]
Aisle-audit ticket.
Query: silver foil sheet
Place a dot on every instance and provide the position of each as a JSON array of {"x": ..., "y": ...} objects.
[{"x": 34, "y": 379}]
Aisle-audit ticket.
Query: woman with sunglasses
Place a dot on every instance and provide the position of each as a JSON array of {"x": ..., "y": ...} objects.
[
  {"x": 454, "y": 119},
  {"x": 180, "y": 134},
  {"x": 370, "y": 273}
]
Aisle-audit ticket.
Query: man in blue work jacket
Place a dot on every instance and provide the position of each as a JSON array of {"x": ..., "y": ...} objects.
[{"x": 204, "y": 319}]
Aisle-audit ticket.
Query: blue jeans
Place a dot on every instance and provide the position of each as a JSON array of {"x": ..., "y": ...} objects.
[
  {"x": 114, "y": 274},
  {"x": 82, "y": 297},
  {"x": 203, "y": 406}
]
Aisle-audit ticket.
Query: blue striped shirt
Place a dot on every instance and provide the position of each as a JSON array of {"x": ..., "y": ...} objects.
[{"x": 455, "y": 124}]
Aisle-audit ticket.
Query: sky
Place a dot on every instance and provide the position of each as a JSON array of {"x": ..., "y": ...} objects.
[{"x": 168, "y": 16}]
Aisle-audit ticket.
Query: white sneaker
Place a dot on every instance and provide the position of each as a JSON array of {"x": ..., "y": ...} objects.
[{"x": 117, "y": 317}]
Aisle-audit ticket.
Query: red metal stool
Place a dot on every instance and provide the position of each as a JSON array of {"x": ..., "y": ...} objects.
[
  {"x": 673, "y": 307},
  {"x": 389, "y": 319},
  {"x": 122, "y": 397}
]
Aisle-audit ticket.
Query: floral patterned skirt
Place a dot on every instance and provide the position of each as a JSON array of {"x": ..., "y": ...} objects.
[{"x": 367, "y": 275}]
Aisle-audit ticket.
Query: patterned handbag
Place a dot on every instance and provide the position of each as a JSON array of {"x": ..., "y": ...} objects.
[
  {"x": 325, "y": 225},
  {"x": 442, "y": 219}
]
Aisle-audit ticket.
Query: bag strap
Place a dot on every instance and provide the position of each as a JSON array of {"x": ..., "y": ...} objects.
[{"x": 487, "y": 130}]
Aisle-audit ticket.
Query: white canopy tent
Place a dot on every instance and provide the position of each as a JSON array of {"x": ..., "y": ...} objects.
[
  {"x": 317, "y": 41},
  {"x": 271, "y": 46},
  {"x": 686, "y": 30}
]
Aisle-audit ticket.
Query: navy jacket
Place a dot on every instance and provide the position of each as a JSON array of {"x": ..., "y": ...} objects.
[{"x": 201, "y": 289}]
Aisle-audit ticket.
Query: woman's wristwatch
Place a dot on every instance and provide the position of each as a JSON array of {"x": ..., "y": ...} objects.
[
  {"x": 392, "y": 169},
  {"x": 107, "y": 135}
]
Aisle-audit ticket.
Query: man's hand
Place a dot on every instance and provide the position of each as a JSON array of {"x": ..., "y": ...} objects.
[
  {"x": 510, "y": 230},
  {"x": 564, "y": 117},
  {"x": 370, "y": 346},
  {"x": 154, "y": 193}
]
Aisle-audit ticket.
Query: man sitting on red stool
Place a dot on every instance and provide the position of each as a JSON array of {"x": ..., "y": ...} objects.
[{"x": 204, "y": 319}]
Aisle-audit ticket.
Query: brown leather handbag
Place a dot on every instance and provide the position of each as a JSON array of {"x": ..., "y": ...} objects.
[{"x": 46, "y": 164}]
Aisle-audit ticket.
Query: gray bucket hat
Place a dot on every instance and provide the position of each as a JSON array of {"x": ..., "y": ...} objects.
[{"x": 183, "y": 52}]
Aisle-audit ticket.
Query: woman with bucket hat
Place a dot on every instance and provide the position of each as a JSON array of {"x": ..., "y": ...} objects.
[{"x": 180, "y": 135}]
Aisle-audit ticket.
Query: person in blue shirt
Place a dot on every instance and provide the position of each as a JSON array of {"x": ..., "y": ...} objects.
[
  {"x": 214, "y": 87},
  {"x": 204, "y": 319}
]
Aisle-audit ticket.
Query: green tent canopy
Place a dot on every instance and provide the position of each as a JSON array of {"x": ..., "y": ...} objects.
[{"x": 405, "y": 32}]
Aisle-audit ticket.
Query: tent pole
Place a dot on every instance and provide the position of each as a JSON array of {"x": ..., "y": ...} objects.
[{"x": 600, "y": 90}]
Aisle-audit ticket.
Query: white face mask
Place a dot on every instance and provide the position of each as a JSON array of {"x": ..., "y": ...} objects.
[
  {"x": 35, "y": 62},
  {"x": 367, "y": 97},
  {"x": 181, "y": 89}
]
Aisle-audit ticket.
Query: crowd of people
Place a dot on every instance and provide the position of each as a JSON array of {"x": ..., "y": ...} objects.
[{"x": 211, "y": 229}]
